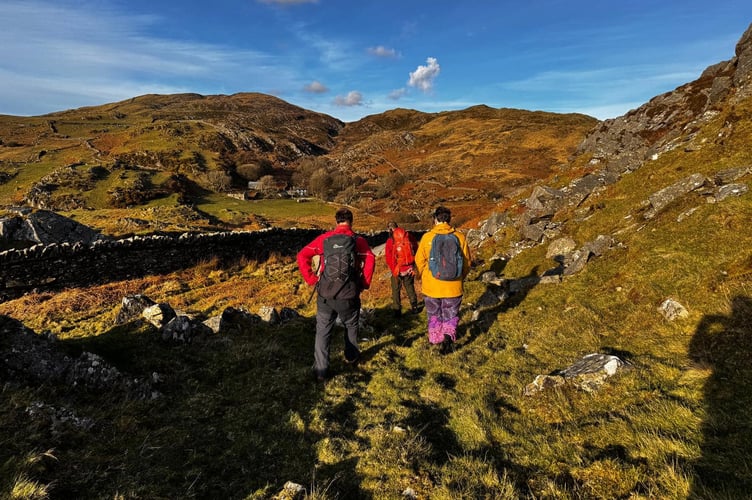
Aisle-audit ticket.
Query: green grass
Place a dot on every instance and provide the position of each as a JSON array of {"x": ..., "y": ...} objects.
[{"x": 215, "y": 204}]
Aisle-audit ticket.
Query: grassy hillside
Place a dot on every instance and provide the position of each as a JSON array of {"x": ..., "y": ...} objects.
[{"x": 184, "y": 153}]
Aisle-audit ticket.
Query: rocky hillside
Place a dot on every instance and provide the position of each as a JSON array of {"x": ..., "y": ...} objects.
[
  {"x": 183, "y": 153},
  {"x": 691, "y": 140}
]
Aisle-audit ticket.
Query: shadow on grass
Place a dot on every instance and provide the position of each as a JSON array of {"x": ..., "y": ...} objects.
[
  {"x": 724, "y": 343},
  {"x": 511, "y": 296},
  {"x": 232, "y": 419}
]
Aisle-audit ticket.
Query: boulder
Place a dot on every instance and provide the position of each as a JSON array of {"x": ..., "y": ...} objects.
[
  {"x": 29, "y": 228},
  {"x": 269, "y": 315},
  {"x": 661, "y": 199},
  {"x": 132, "y": 307},
  {"x": 233, "y": 321},
  {"x": 588, "y": 374},
  {"x": 159, "y": 314}
]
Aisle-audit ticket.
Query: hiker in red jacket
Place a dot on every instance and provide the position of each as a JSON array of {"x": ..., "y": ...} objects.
[
  {"x": 345, "y": 269},
  {"x": 399, "y": 254}
]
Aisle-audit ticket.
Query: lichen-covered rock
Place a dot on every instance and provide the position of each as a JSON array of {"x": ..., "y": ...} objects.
[
  {"x": 673, "y": 310},
  {"x": 159, "y": 314},
  {"x": 132, "y": 307},
  {"x": 28, "y": 358},
  {"x": 588, "y": 374}
]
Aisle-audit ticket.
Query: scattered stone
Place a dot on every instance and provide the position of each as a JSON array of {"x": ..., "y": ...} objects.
[
  {"x": 533, "y": 232},
  {"x": 599, "y": 245},
  {"x": 233, "y": 321},
  {"x": 410, "y": 494},
  {"x": 684, "y": 215},
  {"x": 542, "y": 382},
  {"x": 132, "y": 307},
  {"x": 159, "y": 314},
  {"x": 491, "y": 278},
  {"x": 291, "y": 491},
  {"x": 594, "y": 363},
  {"x": 588, "y": 374},
  {"x": 545, "y": 200},
  {"x": 730, "y": 175},
  {"x": 269, "y": 315},
  {"x": 560, "y": 247},
  {"x": 58, "y": 418},
  {"x": 727, "y": 190},
  {"x": 663, "y": 198},
  {"x": 673, "y": 310},
  {"x": 178, "y": 329},
  {"x": 28, "y": 358},
  {"x": 45, "y": 227},
  {"x": 576, "y": 261}
]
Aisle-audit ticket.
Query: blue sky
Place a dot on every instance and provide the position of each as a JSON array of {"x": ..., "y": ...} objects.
[{"x": 352, "y": 58}]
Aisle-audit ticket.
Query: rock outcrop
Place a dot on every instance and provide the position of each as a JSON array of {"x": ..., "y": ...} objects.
[{"x": 32, "y": 227}]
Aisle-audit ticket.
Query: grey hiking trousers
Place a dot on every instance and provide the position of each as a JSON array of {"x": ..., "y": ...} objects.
[{"x": 327, "y": 311}]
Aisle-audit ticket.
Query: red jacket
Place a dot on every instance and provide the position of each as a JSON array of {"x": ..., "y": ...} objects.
[
  {"x": 365, "y": 258},
  {"x": 390, "y": 255}
]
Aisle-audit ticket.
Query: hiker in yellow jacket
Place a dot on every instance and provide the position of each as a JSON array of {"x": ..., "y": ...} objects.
[{"x": 443, "y": 261}]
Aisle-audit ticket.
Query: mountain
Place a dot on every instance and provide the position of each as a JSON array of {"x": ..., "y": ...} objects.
[{"x": 184, "y": 153}]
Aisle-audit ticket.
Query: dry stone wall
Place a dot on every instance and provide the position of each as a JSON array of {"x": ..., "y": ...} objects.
[{"x": 55, "y": 266}]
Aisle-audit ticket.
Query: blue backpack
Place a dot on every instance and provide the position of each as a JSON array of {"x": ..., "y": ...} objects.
[{"x": 445, "y": 260}]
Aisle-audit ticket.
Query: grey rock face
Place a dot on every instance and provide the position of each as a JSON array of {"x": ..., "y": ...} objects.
[{"x": 45, "y": 227}]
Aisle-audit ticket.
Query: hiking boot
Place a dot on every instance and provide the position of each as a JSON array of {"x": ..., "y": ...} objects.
[{"x": 447, "y": 346}]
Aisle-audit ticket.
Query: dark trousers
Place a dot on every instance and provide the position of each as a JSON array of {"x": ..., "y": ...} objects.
[
  {"x": 408, "y": 282},
  {"x": 327, "y": 311}
]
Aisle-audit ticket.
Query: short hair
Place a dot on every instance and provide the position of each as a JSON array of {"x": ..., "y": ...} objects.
[
  {"x": 442, "y": 214},
  {"x": 391, "y": 226},
  {"x": 343, "y": 215}
]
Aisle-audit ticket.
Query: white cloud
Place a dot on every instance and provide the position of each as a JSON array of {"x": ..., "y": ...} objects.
[
  {"x": 381, "y": 51},
  {"x": 423, "y": 77},
  {"x": 397, "y": 94},
  {"x": 353, "y": 98},
  {"x": 316, "y": 87}
]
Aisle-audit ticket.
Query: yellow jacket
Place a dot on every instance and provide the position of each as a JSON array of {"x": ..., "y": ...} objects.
[{"x": 431, "y": 286}]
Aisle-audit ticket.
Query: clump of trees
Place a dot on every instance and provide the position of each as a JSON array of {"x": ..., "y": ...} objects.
[
  {"x": 254, "y": 171},
  {"x": 322, "y": 180}
]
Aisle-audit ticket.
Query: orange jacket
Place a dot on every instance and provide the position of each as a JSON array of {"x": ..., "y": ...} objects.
[
  {"x": 431, "y": 286},
  {"x": 390, "y": 255}
]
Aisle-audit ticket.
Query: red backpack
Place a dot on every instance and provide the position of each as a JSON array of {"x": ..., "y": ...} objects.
[{"x": 403, "y": 250}]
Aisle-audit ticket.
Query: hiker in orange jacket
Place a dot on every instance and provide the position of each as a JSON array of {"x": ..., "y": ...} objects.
[
  {"x": 442, "y": 294},
  {"x": 399, "y": 254},
  {"x": 341, "y": 299}
]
